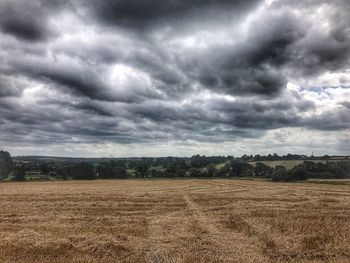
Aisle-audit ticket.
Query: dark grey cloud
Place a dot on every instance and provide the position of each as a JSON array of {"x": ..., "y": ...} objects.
[
  {"x": 157, "y": 13},
  {"x": 155, "y": 71},
  {"x": 22, "y": 28},
  {"x": 26, "y": 20},
  {"x": 252, "y": 65}
]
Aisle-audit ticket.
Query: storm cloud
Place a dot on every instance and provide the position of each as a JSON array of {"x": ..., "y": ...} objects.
[{"x": 135, "y": 75}]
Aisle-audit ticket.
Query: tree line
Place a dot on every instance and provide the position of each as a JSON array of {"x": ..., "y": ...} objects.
[{"x": 196, "y": 166}]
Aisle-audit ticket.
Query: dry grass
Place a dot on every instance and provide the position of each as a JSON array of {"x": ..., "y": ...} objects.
[
  {"x": 289, "y": 164},
  {"x": 174, "y": 221}
]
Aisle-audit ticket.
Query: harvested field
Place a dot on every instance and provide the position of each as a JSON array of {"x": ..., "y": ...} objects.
[
  {"x": 289, "y": 164},
  {"x": 174, "y": 221}
]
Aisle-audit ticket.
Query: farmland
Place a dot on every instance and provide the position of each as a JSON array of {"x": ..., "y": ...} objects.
[
  {"x": 289, "y": 164},
  {"x": 172, "y": 220}
]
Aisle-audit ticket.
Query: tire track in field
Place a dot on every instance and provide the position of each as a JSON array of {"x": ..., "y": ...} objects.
[
  {"x": 165, "y": 229},
  {"x": 205, "y": 221},
  {"x": 236, "y": 246}
]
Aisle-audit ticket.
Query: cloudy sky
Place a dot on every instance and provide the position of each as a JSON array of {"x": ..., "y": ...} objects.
[{"x": 178, "y": 77}]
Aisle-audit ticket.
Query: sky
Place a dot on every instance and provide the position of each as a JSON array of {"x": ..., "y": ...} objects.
[{"x": 174, "y": 78}]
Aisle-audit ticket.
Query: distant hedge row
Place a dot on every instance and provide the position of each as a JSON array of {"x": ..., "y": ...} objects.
[{"x": 168, "y": 167}]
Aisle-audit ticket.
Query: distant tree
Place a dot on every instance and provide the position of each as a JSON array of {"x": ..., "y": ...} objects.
[
  {"x": 141, "y": 168},
  {"x": 155, "y": 173},
  {"x": 245, "y": 158},
  {"x": 341, "y": 170},
  {"x": 83, "y": 171},
  {"x": 276, "y": 157},
  {"x": 44, "y": 168},
  {"x": 298, "y": 173},
  {"x": 311, "y": 166},
  {"x": 247, "y": 170},
  {"x": 280, "y": 173},
  {"x": 262, "y": 170},
  {"x": 170, "y": 170},
  {"x": 119, "y": 169},
  {"x": 120, "y": 172},
  {"x": 257, "y": 157},
  {"x": 193, "y": 172},
  {"x": 64, "y": 177},
  {"x": 180, "y": 172},
  {"x": 19, "y": 173},
  {"x": 229, "y": 158},
  {"x": 63, "y": 171},
  {"x": 198, "y": 161},
  {"x": 328, "y": 170},
  {"x": 211, "y": 171},
  {"x": 241, "y": 169},
  {"x": 104, "y": 171},
  {"x": 223, "y": 172},
  {"x": 6, "y": 164}
]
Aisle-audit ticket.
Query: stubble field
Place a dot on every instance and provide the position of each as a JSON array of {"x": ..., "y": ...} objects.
[{"x": 174, "y": 221}]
